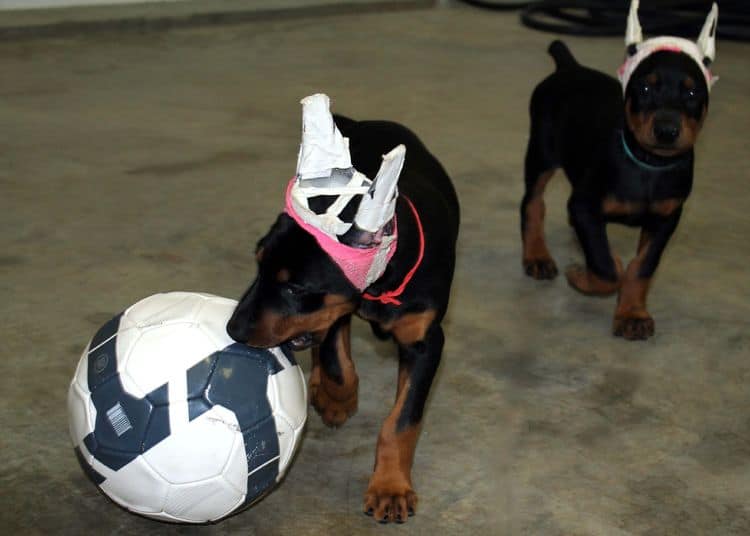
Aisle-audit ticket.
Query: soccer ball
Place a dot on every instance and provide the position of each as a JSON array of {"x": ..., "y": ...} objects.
[{"x": 174, "y": 420}]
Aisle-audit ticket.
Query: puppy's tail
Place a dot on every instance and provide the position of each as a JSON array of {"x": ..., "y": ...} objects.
[{"x": 562, "y": 56}]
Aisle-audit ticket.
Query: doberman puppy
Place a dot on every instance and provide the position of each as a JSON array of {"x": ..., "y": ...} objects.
[
  {"x": 628, "y": 154},
  {"x": 301, "y": 297}
]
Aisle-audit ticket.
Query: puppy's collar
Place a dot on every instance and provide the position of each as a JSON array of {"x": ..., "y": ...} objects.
[
  {"x": 391, "y": 297},
  {"x": 640, "y": 163}
]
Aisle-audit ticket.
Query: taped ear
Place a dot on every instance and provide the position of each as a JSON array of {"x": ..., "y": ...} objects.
[
  {"x": 633, "y": 32},
  {"x": 707, "y": 39},
  {"x": 323, "y": 148},
  {"x": 378, "y": 205}
]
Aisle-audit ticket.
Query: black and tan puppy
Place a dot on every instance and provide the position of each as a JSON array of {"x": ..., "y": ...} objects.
[
  {"x": 627, "y": 150},
  {"x": 300, "y": 296}
]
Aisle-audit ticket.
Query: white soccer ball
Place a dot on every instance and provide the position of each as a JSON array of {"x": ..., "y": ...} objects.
[{"x": 174, "y": 420}]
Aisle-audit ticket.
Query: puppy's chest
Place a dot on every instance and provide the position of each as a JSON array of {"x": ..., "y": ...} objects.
[{"x": 634, "y": 191}]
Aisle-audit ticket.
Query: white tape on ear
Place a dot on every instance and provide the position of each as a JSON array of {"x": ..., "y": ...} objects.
[
  {"x": 633, "y": 32},
  {"x": 324, "y": 168},
  {"x": 323, "y": 148},
  {"x": 669, "y": 44},
  {"x": 703, "y": 52},
  {"x": 378, "y": 206}
]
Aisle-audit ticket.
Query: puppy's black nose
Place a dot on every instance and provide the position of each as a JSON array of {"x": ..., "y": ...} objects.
[
  {"x": 239, "y": 326},
  {"x": 666, "y": 132}
]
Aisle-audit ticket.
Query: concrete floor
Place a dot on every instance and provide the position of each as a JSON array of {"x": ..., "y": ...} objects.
[{"x": 132, "y": 164}]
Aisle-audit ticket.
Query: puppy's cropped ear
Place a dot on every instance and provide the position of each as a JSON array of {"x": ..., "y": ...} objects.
[
  {"x": 377, "y": 207},
  {"x": 633, "y": 32},
  {"x": 707, "y": 39}
]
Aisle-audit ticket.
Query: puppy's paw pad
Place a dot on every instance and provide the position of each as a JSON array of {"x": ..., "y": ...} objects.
[
  {"x": 633, "y": 329},
  {"x": 390, "y": 503},
  {"x": 588, "y": 283},
  {"x": 540, "y": 268},
  {"x": 334, "y": 412}
]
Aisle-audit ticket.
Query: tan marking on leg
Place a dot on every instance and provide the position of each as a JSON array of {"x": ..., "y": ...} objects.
[
  {"x": 615, "y": 207},
  {"x": 411, "y": 327},
  {"x": 537, "y": 261},
  {"x": 632, "y": 320},
  {"x": 389, "y": 495},
  {"x": 666, "y": 207},
  {"x": 588, "y": 283}
]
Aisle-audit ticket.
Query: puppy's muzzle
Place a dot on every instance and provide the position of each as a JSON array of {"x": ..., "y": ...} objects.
[
  {"x": 239, "y": 327},
  {"x": 667, "y": 127}
]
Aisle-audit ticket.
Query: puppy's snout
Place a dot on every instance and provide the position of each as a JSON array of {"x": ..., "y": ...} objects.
[
  {"x": 667, "y": 127},
  {"x": 240, "y": 326},
  {"x": 666, "y": 132},
  {"x": 242, "y": 322}
]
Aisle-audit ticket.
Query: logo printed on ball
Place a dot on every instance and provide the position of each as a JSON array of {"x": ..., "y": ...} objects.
[{"x": 101, "y": 363}]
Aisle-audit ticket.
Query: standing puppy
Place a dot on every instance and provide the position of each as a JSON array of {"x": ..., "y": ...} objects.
[
  {"x": 627, "y": 150},
  {"x": 345, "y": 245}
]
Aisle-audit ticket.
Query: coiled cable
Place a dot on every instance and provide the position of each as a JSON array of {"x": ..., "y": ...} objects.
[{"x": 606, "y": 18}]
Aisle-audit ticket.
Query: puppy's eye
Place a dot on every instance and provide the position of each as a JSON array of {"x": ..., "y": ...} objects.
[
  {"x": 691, "y": 94},
  {"x": 646, "y": 89},
  {"x": 293, "y": 289}
]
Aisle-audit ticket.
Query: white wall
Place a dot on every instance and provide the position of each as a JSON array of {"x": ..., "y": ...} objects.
[{"x": 34, "y": 4}]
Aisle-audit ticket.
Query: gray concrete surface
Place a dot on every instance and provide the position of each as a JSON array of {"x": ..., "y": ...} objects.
[
  {"x": 131, "y": 164},
  {"x": 17, "y": 24}
]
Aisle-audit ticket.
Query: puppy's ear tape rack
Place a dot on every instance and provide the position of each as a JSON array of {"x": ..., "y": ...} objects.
[{"x": 608, "y": 17}]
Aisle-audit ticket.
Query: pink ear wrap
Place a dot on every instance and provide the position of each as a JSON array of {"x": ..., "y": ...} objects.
[
  {"x": 657, "y": 44},
  {"x": 357, "y": 264}
]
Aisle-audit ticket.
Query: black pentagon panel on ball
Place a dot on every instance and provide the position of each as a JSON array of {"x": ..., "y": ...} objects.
[
  {"x": 261, "y": 443},
  {"x": 199, "y": 375},
  {"x": 197, "y": 407},
  {"x": 102, "y": 358},
  {"x": 159, "y": 396},
  {"x": 157, "y": 428},
  {"x": 122, "y": 422},
  {"x": 90, "y": 472},
  {"x": 198, "y": 378},
  {"x": 261, "y": 482},
  {"x": 121, "y": 419},
  {"x": 240, "y": 370}
]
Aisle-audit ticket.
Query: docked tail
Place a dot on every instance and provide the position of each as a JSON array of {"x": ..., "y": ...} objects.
[{"x": 562, "y": 56}]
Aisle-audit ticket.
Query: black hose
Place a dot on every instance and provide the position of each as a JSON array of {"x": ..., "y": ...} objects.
[{"x": 605, "y": 18}]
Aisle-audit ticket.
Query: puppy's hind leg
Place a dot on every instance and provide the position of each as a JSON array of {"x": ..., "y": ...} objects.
[{"x": 539, "y": 169}]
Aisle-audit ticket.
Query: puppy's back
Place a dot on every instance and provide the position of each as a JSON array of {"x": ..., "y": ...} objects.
[{"x": 370, "y": 140}]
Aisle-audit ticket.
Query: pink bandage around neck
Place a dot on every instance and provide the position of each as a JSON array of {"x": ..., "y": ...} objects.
[{"x": 360, "y": 266}]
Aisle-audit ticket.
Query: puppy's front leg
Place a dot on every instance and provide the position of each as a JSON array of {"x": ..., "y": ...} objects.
[
  {"x": 632, "y": 320},
  {"x": 333, "y": 380},
  {"x": 601, "y": 276},
  {"x": 390, "y": 495}
]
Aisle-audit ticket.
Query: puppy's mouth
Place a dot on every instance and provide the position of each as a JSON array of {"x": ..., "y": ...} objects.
[
  {"x": 301, "y": 342},
  {"x": 665, "y": 150}
]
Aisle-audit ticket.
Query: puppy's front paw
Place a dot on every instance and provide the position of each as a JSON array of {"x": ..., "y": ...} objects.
[
  {"x": 543, "y": 268},
  {"x": 334, "y": 403},
  {"x": 390, "y": 498},
  {"x": 586, "y": 282},
  {"x": 634, "y": 328}
]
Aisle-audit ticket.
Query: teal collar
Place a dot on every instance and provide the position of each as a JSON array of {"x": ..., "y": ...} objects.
[{"x": 641, "y": 163}]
